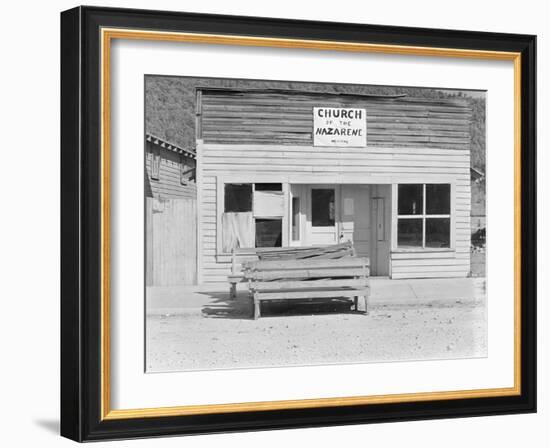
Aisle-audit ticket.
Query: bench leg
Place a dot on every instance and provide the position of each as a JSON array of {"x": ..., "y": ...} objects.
[
  {"x": 256, "y": 309},
  {"x": 356, "y": 301},
  {"x": 366, "y": 298},
  {"x": 233, "y": 291}
]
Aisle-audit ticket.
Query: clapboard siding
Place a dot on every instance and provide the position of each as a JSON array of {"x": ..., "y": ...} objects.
[
  {"x": 168, "y": 185},
  {"x": 307, "y": 164},
  {"x": 287, "y": 119}
]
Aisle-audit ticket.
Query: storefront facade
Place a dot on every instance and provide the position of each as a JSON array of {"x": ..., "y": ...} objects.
[{"x": 288, "y": 168}]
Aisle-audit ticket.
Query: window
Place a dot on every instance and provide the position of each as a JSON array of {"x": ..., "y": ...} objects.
[
  {"x": 268, "y": 200},
  {"x": 322, "y": 207},
  {"x": 268, "y": 211},
  {"x": 295, "y": 218},
  {"x": 424, "y": 215},
  {"x": 238, "y": 198},
  {"x": 409, "y": 200},
  {"x": 409, "y": 232},
  {"x": 155, "y": 163},
  {"x": 269, "y": 232},
  {"x": 237, "y": 221},
  {"x": 252, "y": 216},
  {"x": 187, "y": 170},
  {"x": 268, "y": 187}
]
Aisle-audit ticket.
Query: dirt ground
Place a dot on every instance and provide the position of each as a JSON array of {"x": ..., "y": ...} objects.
[{"x": 222, "y": 335}]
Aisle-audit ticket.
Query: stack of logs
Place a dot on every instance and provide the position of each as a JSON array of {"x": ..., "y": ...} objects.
[
  {"x": 301, "y": 253},
  {"x": 307, "y": 273}
]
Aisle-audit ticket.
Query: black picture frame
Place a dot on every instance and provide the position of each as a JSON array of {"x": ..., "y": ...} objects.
[{"x": 81, "y": 224}]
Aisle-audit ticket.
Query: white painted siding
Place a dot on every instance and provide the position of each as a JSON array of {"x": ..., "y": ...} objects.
[{"x": 307, "y": 164}]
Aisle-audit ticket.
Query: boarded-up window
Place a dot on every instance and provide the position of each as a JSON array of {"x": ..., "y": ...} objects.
[
  {"x": 269, "y": 232},
  {"x": 252, "y": 215},
  {"x": 237, "y": 231},
  {"x": 268, "y": 203}
]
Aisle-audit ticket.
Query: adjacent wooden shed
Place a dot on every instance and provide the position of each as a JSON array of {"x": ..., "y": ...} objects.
[
  {"x": 170, "y": 213},
  {"x": 291, "y": 168}
]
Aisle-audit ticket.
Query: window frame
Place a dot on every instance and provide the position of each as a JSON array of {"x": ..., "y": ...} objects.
[
  {"x": 155, "y": 163},
  {"x": 295, "y": 212},
  {"x": 270, "y": 218},
  {"x": 221, "y": 181},
  {"x": 224, "y": 197},
  {"x": 188, "y": 170},
  {"x": 334, "y": 217},
  {"x": 423, "y": 216}
]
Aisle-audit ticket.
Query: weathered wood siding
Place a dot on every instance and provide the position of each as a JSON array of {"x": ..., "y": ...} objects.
[
  {"x": 170, "y": 221},
  {"x": 371, "y": 165},
  {"x": 265, "y": 117},
  {"x": 171, "y": 242},
  {"x": 168, "y": 185}
]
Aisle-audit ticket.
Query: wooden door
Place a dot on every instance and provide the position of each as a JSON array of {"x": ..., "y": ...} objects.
[
  {"x": 380, "y": 230},
  {"x": 355, "y": 217},
  {"x": 323, "y": 214}
]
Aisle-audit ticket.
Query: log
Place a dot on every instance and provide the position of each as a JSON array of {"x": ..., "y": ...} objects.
[
  {"x": 306, "y": 273},
  {"x": 347, "y": 262},
  {"x": 312, "y": 294},
  {"x": 302, "y": 284}
]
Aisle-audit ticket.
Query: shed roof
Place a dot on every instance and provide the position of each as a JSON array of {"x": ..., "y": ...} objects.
[{"x": 170, "y": 146}]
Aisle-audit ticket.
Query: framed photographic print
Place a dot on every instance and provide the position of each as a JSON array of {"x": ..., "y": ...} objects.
[{"x": 277, "y": 224}]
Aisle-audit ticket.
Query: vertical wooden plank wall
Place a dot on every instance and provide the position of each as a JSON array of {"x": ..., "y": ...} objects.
[
  {"x": 171, "y": 242},
  {"x": 170, "y": 222}
]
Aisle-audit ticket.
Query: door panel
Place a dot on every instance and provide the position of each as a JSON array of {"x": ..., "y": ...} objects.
[
  {"x": 380, "y": 234},
  {"x": 355, "y": 225}
]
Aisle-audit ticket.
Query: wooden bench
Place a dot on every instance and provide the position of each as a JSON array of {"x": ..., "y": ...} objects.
[
  {"x": 312, "y": 278},
  {"x": 242, "y": 255}
]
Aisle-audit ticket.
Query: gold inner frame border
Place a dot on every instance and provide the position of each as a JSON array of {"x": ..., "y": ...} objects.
[{"x": 107, "y": 36}]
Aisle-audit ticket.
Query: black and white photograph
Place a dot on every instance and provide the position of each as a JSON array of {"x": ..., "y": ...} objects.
[
  {"x": 300, "y": 224},
  {"x": 275, "y": 224}
]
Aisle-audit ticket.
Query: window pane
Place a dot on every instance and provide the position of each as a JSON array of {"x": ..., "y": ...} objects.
[
  {"x": 269, "y": 232},
  {"x": 409, "y": 232},
  {"x": 268, "y": 187},
  {"x": 238, "y": 198},
  {"x": 438, "y": 199},
  {"x": 409, "y": 199},
  {"x": 322, "y": 207},
  {"x": 438, "y": 232},
  {"x": 295, "y": 218}
]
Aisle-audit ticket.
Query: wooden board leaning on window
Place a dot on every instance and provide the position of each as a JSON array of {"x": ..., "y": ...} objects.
[{"x": 237, "y": 230}]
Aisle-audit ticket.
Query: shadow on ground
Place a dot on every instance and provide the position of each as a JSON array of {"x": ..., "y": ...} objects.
[
  {"x": 51, "y": 426},
  {"x": 223, "y": 307}
]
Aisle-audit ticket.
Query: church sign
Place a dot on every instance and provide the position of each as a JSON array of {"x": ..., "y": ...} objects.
[{"x": 335, "y": 126}]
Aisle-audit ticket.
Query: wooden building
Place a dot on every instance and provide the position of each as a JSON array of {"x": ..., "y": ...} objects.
[
  {"x": 170, "y": 213},
  {"x": 291, "y": 168}
]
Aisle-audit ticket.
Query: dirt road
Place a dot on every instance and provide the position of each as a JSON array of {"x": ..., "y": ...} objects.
[{"x": 221, "y": 337}]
